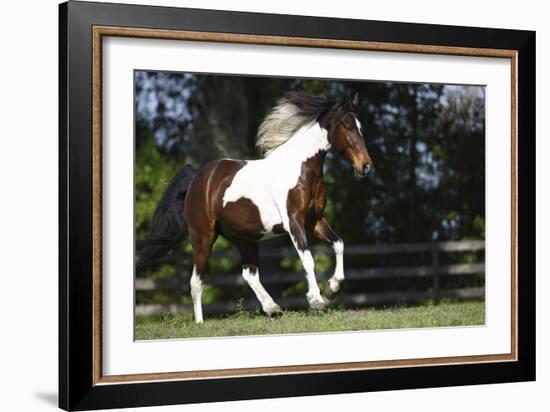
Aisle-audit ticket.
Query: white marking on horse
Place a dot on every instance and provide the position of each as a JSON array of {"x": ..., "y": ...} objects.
[
  {"x": 196, "y": 293},
  {"x": 313, "y": 295},
  {"x": 266, "y": 182},
  {"x": 358, "y": 123},
  {"x": 253, "y": 279},
  {"x": 336, "y": 279}
]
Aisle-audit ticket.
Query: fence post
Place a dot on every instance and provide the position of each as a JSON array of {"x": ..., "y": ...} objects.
[{"x": 436, "y": 285}]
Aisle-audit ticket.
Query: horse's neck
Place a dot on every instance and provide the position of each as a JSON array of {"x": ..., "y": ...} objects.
[{"x": 309, "y": 142}]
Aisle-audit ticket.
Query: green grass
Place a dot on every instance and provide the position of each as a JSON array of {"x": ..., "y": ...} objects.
[{"x": 331, "y": 320}]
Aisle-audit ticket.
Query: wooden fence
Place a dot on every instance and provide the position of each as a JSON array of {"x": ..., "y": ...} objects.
[{"x": 435, "y": 270}]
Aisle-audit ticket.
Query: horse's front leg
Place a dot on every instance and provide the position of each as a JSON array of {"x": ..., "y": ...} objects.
[
  {"x": 295, "y": 227},
  {"x": 323, "y": 231}
]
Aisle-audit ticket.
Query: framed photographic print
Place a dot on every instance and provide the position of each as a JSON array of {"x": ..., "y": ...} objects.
[{"x": 257, "y": 205}]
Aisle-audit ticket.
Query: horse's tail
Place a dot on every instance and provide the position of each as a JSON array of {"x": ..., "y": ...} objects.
[{"x": 168, "y": 226}]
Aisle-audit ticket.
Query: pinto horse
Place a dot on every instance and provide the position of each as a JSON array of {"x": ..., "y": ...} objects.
[{"x": 246, "y": 201}]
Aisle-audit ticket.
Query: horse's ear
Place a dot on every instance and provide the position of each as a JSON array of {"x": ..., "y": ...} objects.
[{"x": 355, "y": 101}]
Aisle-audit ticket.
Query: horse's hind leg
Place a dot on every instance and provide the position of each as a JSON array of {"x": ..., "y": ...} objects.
[
  {"x": 251, "y": 274},
  {"x": 202, "y": 245}
]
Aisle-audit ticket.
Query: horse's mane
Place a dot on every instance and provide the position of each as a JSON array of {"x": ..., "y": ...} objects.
[{"x": 291, "y": 112}]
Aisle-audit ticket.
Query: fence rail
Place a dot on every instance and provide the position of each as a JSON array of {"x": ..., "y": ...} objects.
[{"x": 435, "y": 270}]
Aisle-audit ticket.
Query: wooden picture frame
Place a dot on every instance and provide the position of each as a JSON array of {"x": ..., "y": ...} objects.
[{"x": 82, "y": 28}]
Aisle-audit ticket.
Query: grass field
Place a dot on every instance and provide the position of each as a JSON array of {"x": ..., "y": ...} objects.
[{"x": 331, "y": 320}]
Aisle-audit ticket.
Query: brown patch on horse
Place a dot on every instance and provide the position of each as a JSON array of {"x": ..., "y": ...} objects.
[
  {"x": 241, "y": 219},
  {"x": 203, "y": 196},
  {"x": 199, "y": 215},
  {"x": 278, "y": 229},
  {"x": 306, "y": 201}
]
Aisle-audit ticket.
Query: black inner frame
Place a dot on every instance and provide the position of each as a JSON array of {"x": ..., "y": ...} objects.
[{"x": 76, "y": 389}]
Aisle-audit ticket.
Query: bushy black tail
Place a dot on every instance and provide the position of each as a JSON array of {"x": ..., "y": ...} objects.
[{"x": 168, "y": 226}]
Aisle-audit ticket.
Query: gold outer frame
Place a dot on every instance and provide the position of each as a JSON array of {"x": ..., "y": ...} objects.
[{"x": 101, "y": 31}]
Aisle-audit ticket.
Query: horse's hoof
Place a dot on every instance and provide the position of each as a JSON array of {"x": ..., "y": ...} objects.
[
  {"x": 332, "y": 288},
  {"x": 274, "y": 311},
  {"x": 329, "y": 293},
  {"x": 319, "y": 304}
]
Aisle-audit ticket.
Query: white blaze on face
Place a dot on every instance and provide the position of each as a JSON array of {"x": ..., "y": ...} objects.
[
  {"x": 266, "y": 182},
  {"x": 358, "y": 126}
]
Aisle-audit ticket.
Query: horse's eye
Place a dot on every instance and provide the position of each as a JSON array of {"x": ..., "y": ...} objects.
[{"x": 348, "y": 124}]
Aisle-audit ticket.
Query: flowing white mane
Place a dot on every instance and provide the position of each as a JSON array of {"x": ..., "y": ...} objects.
[{"x": 291, "y": 112}]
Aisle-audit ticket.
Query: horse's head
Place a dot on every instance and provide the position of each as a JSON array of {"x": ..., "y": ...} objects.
[{"x": 346, "y": 137}]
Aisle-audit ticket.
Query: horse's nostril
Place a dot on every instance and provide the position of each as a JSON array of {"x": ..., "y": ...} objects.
[{"x": 367, "y": 168}]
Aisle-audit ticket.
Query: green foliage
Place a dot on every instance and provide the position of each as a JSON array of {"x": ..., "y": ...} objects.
[
  {"x": 296, "y": 289},
  {"x": 478, "y": 228},
  {"x": 164, "y": 271},
  {"x": 324, "y": 263},
  {"x": 314, "y": 86},
  {"x": 154, "y": 170},
  {"x": 210, "y": 294}
]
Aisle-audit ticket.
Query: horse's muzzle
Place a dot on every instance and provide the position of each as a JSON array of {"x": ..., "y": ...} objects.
[
  {"x": 366, "y": 169},
  {"x": 362, "y": 173}
]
